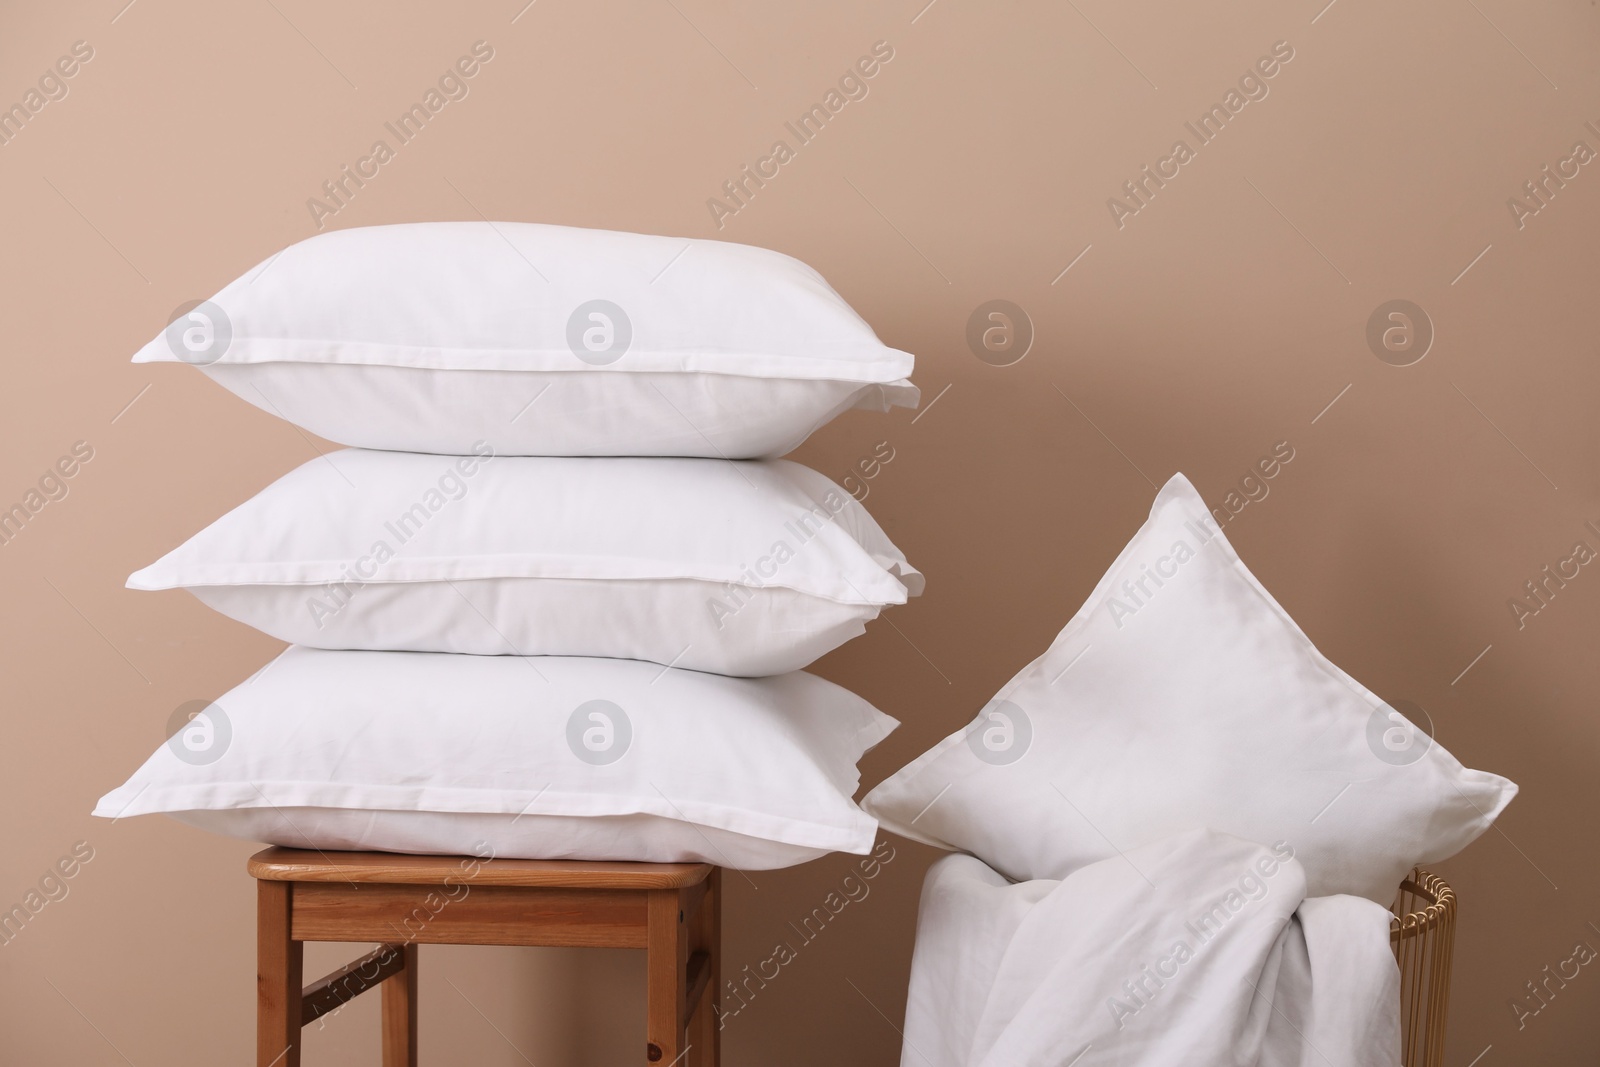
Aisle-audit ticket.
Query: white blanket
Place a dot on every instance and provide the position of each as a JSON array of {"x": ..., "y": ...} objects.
[{"x": 1197, "y": 950}]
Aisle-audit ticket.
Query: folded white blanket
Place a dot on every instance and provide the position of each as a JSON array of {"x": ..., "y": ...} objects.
[{"x": 1197, "y": 950}]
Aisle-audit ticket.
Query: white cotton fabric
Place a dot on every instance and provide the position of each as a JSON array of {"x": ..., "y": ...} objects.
[
  {"x": 635, "y": 838},
  {"x": 772, "y": 760},
  {"x": 1089, "y": 970},
  {"x": 428, "y": 337},
  {"x": 739, "y": 568},
  {"x": 1192, "y": 701}
]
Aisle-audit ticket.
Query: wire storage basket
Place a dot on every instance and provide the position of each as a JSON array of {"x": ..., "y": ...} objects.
[{"x": 1423, "y": 934}]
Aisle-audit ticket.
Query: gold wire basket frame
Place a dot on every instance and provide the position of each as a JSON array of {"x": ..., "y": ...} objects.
[{"x": 1423, "y": 934}]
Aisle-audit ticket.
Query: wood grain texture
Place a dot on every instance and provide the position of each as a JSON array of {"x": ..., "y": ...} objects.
[
  {"x": 293, "y": 865},
  {"x": 487, "y": 915},
  {"x": 705, "y": 1027},
  {"x": 279, "y": 961},
  {"x": 666, "y": 964},
  {"x": 697, "y": 975},
  {"x": 673, "y": 911},
  {"x": 400, "y": 1013},
  {"x": 350, "y": 981}
]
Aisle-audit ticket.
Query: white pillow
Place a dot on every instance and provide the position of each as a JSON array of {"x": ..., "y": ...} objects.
[
  {"x": 1182, "y": 696},
  {"x": 639, "y": 838},
  {"x": 546, "y": 340},
  {"x": 742, "y": 568},
  {"x": 551, "y": 757}
]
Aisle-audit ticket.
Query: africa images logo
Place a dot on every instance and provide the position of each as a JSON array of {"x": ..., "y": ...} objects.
[
  {"x": 739, "y": 190},
  {"x": 1137, "y": 591},
  {"x": 1001, "y": 734},
  {"x": 599, "y": 732},
  {"x": 1252, "y": 86}
]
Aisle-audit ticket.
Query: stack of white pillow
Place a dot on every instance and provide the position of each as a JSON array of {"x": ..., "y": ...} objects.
[{"x": 554, "y": 603}]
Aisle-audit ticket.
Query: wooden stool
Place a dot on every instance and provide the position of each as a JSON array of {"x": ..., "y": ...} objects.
[{"x": 671, "y": 910}]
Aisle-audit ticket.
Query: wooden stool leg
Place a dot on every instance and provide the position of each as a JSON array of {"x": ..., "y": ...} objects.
[
  {"x": 400, "y": 1014},
  {"x": 278, "y": 978},
  {"x": 666, "y": 960},
  {"x": 705, "y": 1027},
  {"x": 713, "y": 908}
]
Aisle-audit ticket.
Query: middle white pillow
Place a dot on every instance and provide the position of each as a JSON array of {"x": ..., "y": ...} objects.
[{"x": 732, "y": 567}]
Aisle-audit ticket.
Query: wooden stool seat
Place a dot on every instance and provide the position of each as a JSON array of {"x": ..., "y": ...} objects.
[{"x": 671, "y": 910}]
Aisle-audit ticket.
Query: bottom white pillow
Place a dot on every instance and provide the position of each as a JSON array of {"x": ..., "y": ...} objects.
[
  {"x": 537, "y": 757},
  {"x": 639, "y": 838}
]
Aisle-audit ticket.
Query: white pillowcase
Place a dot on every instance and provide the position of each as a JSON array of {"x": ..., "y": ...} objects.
[
  {"x": 637, "y": 838},
  {"x": 545, "y": 340},
  {"x": 740, "y": 568},
  {"x": 1182, "y": 696},
  {"x": 543, "y": 757}
]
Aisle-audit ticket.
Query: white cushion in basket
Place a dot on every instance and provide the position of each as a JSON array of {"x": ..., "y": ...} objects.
[{"x": 1183, "y": 697}]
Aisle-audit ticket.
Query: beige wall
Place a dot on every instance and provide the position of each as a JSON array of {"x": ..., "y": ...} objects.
[{"x": 1218, "y": 320}]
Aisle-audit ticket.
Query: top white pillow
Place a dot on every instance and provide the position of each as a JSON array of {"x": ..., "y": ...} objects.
[
  {"x": 547, "y": 340},
  {"x": 1182, "y": 696}
]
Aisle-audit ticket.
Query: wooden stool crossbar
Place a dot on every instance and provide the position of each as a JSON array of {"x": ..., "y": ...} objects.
[{"x": 671, "y": 910}]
